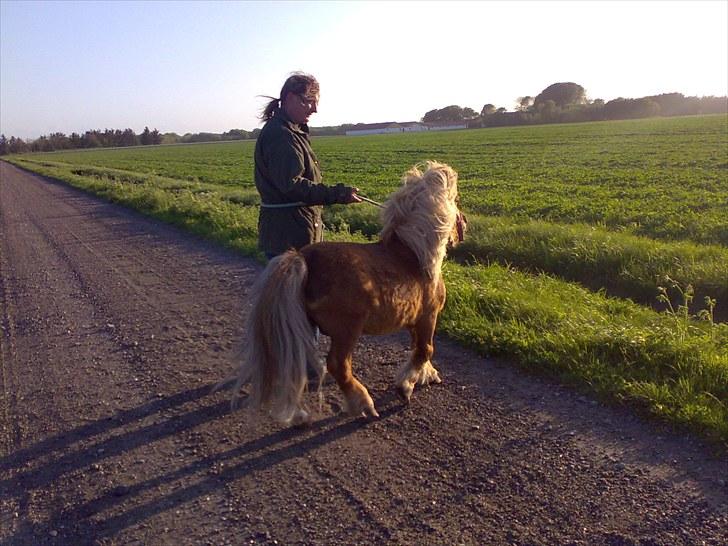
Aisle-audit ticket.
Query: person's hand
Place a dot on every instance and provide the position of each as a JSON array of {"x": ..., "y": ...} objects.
[{"x": 352, "y": 197}]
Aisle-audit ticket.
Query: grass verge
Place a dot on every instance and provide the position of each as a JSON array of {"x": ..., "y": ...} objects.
[{"x": 672, "y": 366}]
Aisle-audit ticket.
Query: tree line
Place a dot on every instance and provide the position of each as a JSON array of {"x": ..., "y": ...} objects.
[
  {"x": 187, "y": 138},
  {"x": 564, "y": 102},
  {"x": 567, "y": 103},
  {"x": 114, "y": 138},
  {"x": 109, "y": 138}
]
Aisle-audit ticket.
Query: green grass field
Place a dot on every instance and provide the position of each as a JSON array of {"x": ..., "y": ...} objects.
[{"x": 579, "y": 234}]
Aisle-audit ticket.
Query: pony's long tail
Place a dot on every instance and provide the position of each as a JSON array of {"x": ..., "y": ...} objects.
[{"x": 279, "y": 341}]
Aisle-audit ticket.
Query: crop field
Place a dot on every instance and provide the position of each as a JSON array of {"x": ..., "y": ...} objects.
[{"x": 596, "y": 253}]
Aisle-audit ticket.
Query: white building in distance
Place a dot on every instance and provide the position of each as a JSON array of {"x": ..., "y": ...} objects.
[{"x": 404, "y": 127}]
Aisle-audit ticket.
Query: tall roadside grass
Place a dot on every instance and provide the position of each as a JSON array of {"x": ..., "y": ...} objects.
[
  {"x": 673, "y": 367},
  {"x": 624, "y": 265}
]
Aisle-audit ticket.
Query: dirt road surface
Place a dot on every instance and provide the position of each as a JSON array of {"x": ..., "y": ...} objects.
[{"x": 114, "y": 329}]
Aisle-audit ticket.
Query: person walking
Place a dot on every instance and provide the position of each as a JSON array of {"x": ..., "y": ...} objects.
[
  {"x": 287, "y": 173},
  {"x": 289, "y": 180}
]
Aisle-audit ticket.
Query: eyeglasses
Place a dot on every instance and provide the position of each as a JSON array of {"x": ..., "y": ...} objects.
[{"x": 308, "y": 102}]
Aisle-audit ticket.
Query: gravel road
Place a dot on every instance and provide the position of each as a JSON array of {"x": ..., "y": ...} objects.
[{"x": 114, "y": 328}]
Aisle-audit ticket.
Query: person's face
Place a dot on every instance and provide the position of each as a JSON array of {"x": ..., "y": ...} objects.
[{"x": 299, "y": 107}]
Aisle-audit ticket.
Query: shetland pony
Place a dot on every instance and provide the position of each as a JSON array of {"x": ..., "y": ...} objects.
[{"x": 350, "y": 289}]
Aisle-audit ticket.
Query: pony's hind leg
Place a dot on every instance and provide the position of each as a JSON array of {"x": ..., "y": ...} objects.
[
  {"x": 419, "y": 369},
  {"x": 338, "y": 363}
]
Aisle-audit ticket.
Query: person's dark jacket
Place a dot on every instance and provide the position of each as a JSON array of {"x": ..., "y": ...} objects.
[{"x": 288, "y": 173}]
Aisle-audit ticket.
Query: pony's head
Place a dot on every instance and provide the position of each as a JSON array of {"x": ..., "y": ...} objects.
[{"x": 424, "y": 214}]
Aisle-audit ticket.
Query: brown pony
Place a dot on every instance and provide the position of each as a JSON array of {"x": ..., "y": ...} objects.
[{"x": 350, "y": 289}]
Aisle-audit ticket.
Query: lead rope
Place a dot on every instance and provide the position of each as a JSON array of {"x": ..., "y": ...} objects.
[
  {"x": 372, "y": 201},
  {"x": 302, "y": 204}
]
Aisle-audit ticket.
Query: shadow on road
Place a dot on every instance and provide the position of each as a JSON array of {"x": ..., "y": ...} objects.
[{"x": 258, "y": 454}]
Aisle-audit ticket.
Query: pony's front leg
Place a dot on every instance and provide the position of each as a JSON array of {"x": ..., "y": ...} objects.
[
  {"x": 419, "y": 369},
  {"x": 338, "y": 363}
]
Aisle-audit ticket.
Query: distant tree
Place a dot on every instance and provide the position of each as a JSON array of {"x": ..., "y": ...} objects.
[
  {"x": 562, "y": 94},
  {"x": 450, "y": 113},
  {"x": 671, "y": 104},
  {"x": 171, "y": 138},
  {"x": 327, "y": 130},
  {"x": 110, "y": 138},
  {"x": 202, "y": 137},
  {"x": 432, "y": 115},
  {"x": 58, "y": 141},
  {"x": 645, "y": 108},
  {"x": 469, "y": 113},
  {"x": 17, "y": 145},
  {"x": 235, "y": 134},
  {"x": 146, "y": 137},
  {"x": 155, "y": 137},
  {"x": 76, "y": 141},
  {"x": 4, "y": 148},
  {"x": 487, "y": 110},
  {"x": 128, "y": 138},
  {"x": 676, "y": 104},
  {"x": 548, "y": 110},
  {"x": 713, "y": 105},
  {"x": 631, "y": 108},
  {"x": 501, "y": 110},
  {"x": 524, "y": 103},
  {"x": 92, "y": 139},
  {"x": 41, "y": 144}
]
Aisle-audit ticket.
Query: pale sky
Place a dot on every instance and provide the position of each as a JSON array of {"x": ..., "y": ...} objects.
[{"x": 199, "y": 66}]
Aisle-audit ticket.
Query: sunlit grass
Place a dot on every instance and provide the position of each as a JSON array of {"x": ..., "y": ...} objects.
[{"x": 607, "y": 346}]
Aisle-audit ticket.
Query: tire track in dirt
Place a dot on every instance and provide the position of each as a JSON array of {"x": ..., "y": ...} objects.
[
  {"x": 121, "y": 442},
  {"x": 10, "y": 425},
  {"x": 8, "y": 353}
]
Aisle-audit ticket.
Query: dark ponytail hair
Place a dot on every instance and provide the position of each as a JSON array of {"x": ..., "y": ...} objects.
[{"x": 297, "y": 83}]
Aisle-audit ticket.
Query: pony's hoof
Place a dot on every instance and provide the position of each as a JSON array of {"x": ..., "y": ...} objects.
[
  {"x": 428, "y": 375},
  {"x": 365, "y": 408},
  {"x": 301, "y": 419},
  {"x": 404, "y": 390},
  {"x": 370, "y": 411},
  {"x": 358, "y": 402}
]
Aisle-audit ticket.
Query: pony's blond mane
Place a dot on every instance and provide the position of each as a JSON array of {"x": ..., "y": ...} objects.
[{"x": 422, "y": 213}]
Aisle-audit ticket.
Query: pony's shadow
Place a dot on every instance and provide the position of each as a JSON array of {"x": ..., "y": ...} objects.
[
  {"x": 259, "y": 454},
  {"x": 63, "y": 440},
  {"x": 64, "y": 459}
]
